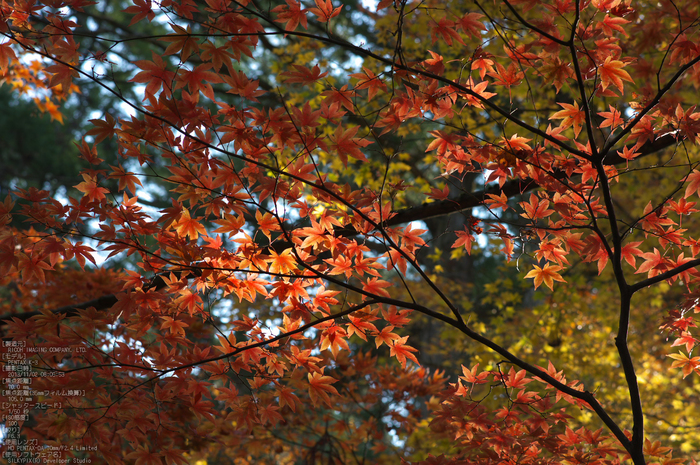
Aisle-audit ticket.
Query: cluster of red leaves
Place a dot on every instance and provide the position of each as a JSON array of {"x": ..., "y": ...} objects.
[{"x": 251, "y": 170}]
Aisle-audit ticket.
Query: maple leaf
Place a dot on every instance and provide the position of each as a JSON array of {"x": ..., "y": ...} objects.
[
  {"x": 6, "y": 54},
  {"x": 344, "y": 142},
  {"x": 269, "y": 414},
  {"x": 176, "y": 456},
  {"x": 557, "y": 71},
  {"x": 282, "y": 263},
  {"x": 435, "y": 64},
  {"x": 548, "y": 274},
  {"x": 571, "y": 115},
  {"x": 334, "y": 337},
  {"x": 141, "y": 9},
  {"x": 325, "y": 11},
  {"x": 507, "y": 77},
  {"x": 376, "y": 287},
  {"x": 385, "y": 336},
  {"x": 62, "y": 75},
  {"x": 517, "y": 143},
  {"x": 91, "y": 189},
  {"x": 181, "y": 42},
  {"x": 126, "y": 179},
  {"x": 484, "y": 64},
  {"x": 189, "y": 226},
  {"x": 536, "y": 208},
  {"x": 401, "y": 351},
  {"x": 612, "y": 119},
  {"x": 446, "y": 29},
  {"x": 198, "y": 80},
  {"x": 611, "y": 72},
  {"x": 440, "y": 194},
  {"x": 410, "y": 238},
  {"x": 175, "y": 326},
  {"x": 610, "y": 24},
  {"x": 202, "y": 408},
  {"x": 517, "y": 379},
  {"x": 497, "y": 201},
  {"x": 143, "y": 456},
  {"x": 303, "y": 75},
  {"x": 230, "y": 224},
  {"x": 628, "y": 154},
  {"x": 156, "y": 76},
  {"x": 320, "y": 387},
  {"x": 291, "y": 15},
  {"x": 471, "y": 24},
  {"x": 683, "y": 207},
  {"x": 473, "y": 376},
  {"x": 368, "y": 80},
  {"x": 288, "y": 398},
  {"x": 218, "y": 56},
  {"x": 316, "y": 236},
  {"x": 683, "y": 361},
  {"x": 686, "y": 339},
  {"x": 630, "y": 252},
  {"x": 464, "y": 238},
  {"x": 694, "y": 184},
  {"x": 396, "y": 318},
  {"x": 359, "y": 326},
  {"x": 654, "y": 263},
  {"x": 102, "y": 129},
  {"x": 80, "y": 253}
]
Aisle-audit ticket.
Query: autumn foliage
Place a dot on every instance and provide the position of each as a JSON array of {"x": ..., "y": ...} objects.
[{"x": 278, "y": 307}]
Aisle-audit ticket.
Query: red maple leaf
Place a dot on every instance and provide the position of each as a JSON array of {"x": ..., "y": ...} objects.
[
  {"x": 547, "y": 275},
  {"x": 344, "y": 142},
  {"x": 324, "y": 10},
  {"x": 291, "y": 15}
]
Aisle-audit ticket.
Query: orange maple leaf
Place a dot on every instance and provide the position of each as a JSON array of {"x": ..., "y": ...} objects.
[
  {"x": 548, "y": 275},
  {"x": 613, "y": 118},
  {"x": 102, "y": 129},
  {"x": 368, "y": 80},
  {"x": 90, "y": 188},
  {"x": 320, "y": 387},
  {"x": 325, "y": 10},
  {"x": 497, "y": 201},
  {"x": 127, "y": 179},
  {"x": 536, "y": 208},
  {"x": 402, "y": 351},
  {"x": 189, "y": 226},
  {"x": 464, "y": 238},
  {"x": 375, "y": 287},
  {"x": 611, "y": 72},
  {"x": 571, "y": 115},
  {"x": 386, "y": 336},
  {"x": 155, "y": 74},
  {"x": 282, "y": 263},
  {"x": 6, "y": 54},
  {"x": 688, "y": 364},
  {"x": 685, "y": 339},
  {"x": 344, "y": 142},
  {"x": 176, "y": 327},
  {"x": 694, "y": 184},
  {"x": 303, "y": 75},
  {"x": 291, "y": 15}
]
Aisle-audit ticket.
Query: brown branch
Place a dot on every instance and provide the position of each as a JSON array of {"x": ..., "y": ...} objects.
[{"x": 510, "y": 188}]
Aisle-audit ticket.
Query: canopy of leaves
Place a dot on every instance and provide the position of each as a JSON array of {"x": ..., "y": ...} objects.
[{"x": 425, "y": 231}]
